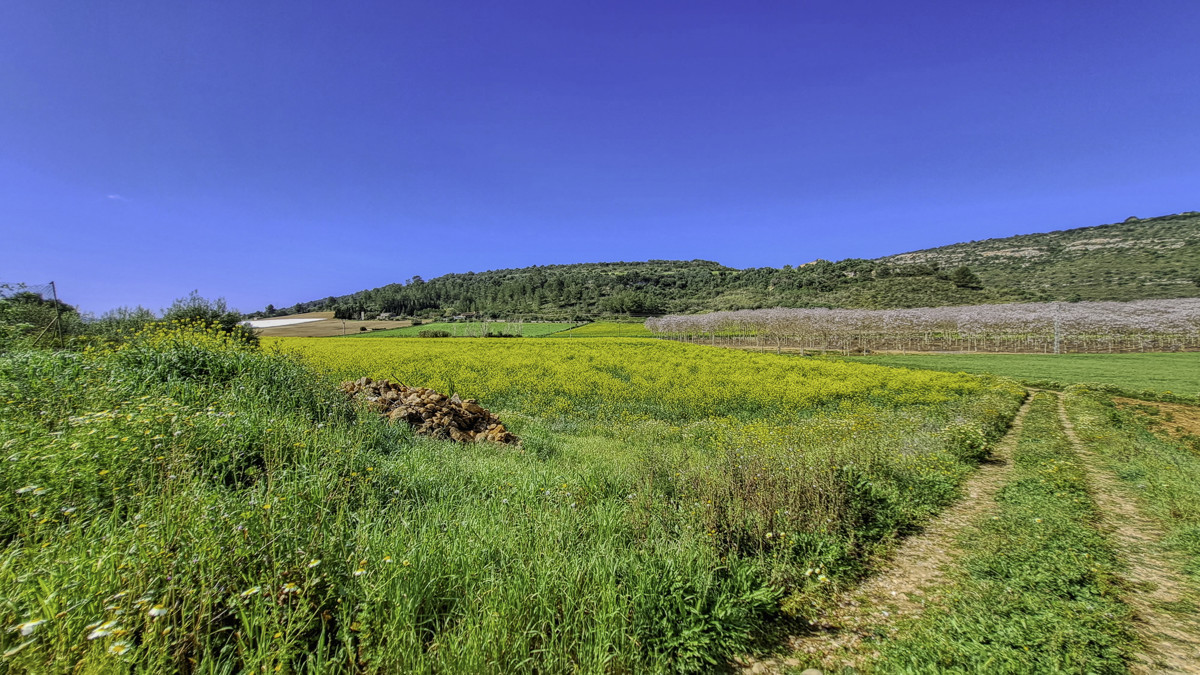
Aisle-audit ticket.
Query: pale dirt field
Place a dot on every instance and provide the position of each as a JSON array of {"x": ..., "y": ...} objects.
[{"x": 327, "y": 327}]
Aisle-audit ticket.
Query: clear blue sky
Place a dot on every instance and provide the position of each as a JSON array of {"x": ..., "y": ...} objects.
[{"x": 274, "y": 152}]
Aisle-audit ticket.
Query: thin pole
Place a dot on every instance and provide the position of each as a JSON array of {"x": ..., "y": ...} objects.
[{"x": 57, "y": 314}]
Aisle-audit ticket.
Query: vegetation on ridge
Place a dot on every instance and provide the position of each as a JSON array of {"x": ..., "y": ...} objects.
[{"x": 1137, "y": 259}]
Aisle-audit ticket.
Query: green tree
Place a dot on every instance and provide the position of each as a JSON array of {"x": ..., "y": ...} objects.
[{"x": 963, "y": 277}]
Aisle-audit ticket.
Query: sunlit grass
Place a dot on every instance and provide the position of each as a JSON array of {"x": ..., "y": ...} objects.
[{"x": 186, "y": 502}]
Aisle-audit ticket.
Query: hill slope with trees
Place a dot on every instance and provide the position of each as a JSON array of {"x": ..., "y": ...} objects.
[{"x": 1136, "y": 259}]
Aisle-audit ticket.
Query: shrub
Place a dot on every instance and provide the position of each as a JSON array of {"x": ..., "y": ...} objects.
[{"x": 434, "y": 334}]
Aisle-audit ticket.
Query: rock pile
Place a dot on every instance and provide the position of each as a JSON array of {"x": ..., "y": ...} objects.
[{"x": 431, "y": 413}]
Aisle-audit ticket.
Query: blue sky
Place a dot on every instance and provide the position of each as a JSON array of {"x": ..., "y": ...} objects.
[{"x": 274, "y": 152}]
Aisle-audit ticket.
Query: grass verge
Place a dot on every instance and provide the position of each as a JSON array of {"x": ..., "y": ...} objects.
[
  {"x": 1151, "y": 376},
  {"x": 1164, "y": 473}
]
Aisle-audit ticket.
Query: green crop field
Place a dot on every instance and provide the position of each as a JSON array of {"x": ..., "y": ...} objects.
[
  {"x": 607, "y": 329},
  {"x": 1177, "y": 373},
  {"x": 472, "y": 329}
]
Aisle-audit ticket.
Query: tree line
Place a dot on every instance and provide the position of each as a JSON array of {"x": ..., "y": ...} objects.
[{"x": 656, "y": 287}]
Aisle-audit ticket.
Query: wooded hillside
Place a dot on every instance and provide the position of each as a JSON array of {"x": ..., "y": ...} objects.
[{"x": 1136, "y": 259}]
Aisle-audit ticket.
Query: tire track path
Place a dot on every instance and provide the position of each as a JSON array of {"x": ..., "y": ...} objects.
[
  {"x": 1170, "y": 638},
  {"x": 898, "y": 591}
]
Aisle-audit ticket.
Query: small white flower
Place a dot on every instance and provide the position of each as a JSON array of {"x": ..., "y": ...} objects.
[
  {"x": 313, "y": 563},
  {"x": 104, "y": 630},
  {"x": 253, "y": 590},
  {"x": 27, "y": 488},
  {"x": 157, "y": 611},
  {"x": 29, "y": 626},
  {"x": 118, "y": 648}
]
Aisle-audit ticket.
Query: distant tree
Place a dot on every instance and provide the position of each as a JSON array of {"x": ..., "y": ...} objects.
[
  {"x": 120, "y": 322},
  {"x": 270, "y": 310},
  {"x": 963, "y": 277}
]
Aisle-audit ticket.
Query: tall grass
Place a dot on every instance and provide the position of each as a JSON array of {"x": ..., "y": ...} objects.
[{"x": 186, "y": 502}]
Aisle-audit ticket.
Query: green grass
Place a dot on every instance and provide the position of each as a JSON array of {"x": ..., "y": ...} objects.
[
  {"x": 472, "y": 329},
  {"x": 607, "y": 329},
  {"x": 181, "y": 502},
  {"x": 1035, "y": 589},
  {"x": 1164, "y": 473},
  {"x": 1131, "y": 373}
]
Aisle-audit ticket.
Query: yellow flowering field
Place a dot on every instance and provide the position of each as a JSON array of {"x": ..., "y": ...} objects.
[{"x": 619, "y": 377}]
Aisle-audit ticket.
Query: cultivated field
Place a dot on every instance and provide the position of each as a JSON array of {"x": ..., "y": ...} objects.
[
  {"x": 1047, "y": 327},
  {"x": 475, "y": 329},
  {"x": 607, "y": 329},
  {"x": 326, "y": 326},
  {"x": 1177, "y": 373}
]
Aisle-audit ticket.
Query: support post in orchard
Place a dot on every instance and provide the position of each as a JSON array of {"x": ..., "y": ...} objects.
[{"x": 1057, "y": 331}]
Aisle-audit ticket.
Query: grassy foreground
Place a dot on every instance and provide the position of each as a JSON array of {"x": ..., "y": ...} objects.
[
  {"x": 184, "y": 502},
  {"x": 1145, "y": 375}
]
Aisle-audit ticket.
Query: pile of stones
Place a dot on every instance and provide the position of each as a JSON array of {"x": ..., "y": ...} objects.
[{"x": 431, "y": 413}]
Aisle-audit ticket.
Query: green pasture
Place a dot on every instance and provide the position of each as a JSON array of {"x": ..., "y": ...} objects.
[
  {"x": 607, "y": 329},
  {"x": 1175, "y": 373}
]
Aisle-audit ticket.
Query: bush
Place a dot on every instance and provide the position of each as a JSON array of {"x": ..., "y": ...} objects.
[
  {"x": 434, "y": 334},
  {"x": 195, "y": 308}
]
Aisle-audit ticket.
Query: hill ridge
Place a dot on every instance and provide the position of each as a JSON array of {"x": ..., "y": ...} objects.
[{"x": 1136, "y": 259}]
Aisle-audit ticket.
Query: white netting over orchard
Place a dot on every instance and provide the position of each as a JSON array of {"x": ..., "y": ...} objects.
[{"x": 1141, "y": 325}]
